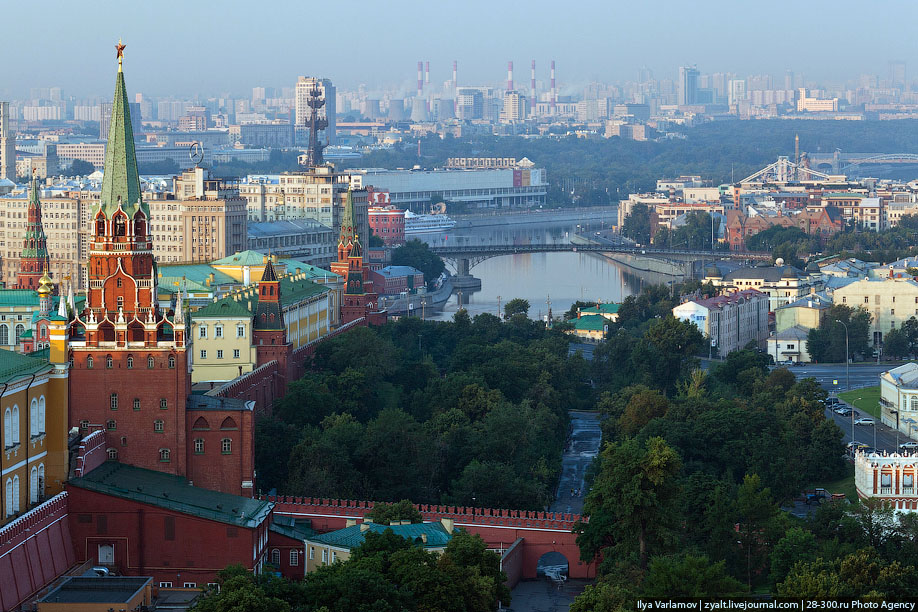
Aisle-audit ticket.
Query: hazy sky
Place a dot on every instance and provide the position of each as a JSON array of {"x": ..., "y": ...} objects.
[{"x": 178, "y": 47}]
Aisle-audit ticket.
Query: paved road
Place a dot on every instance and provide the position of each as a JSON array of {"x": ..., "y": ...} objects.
[
  {"x": 859, "y": 375},
  {"x": 579, "y": 454},
  {"x": 543, "y": 596}
]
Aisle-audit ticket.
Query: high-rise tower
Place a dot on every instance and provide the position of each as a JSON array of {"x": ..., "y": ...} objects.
[{"x": 34, "y": 260}]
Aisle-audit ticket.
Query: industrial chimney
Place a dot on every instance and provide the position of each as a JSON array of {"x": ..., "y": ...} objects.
[{"x": 510, "y": 76}]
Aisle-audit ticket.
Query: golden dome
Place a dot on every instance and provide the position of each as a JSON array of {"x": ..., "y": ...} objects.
[{"x": 44, "y": 284}]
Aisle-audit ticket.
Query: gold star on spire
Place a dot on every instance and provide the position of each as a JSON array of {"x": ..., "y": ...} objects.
[{"x": 119, "y": 48}]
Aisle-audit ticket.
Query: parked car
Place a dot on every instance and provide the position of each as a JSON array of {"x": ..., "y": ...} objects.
[
  {"x": 864, "y": 421},
  {"x": 855, "y": 445},
  {"x": 832, "y": 401},
  {"x": 908, "y": 445},
  {"x": 843, "y": 411}
]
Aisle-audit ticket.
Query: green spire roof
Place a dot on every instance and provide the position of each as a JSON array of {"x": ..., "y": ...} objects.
[
  {"x": 120, "y": 179},
  {"x": 347, "y": 220},
  {"x": 35, "y": 242}
]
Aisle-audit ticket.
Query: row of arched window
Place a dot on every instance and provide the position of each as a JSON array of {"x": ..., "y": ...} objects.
[
  {"x": 5, "y": 333},
  {"x": 110, "y": 362},
  {"x": 113, "y": 403},
  {"x": 226, "y": 446},
  {"x": 36, "y": 489},
  {"x": 11, "y": 421},
  {"x": 276, "y": 557}
]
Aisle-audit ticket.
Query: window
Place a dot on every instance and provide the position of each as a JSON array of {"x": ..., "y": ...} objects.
[
  {"x": 7, "y": 428},
  {"x": 130, "y": 362},
  {"x": 202, "y": 331},
  {"x": 15, "y": 493},
  {"x": 5, "y": 331},
  {"x": 844, "y": 299},
  {"x": 113, "y": 401},
  {"x": 84, "y": 424},
  {"x": 219, "y": 354},
  {"x": 165, "y": 585},
  {"x": 171, "y": 362},
  {"x": 163, "y": 404},
  {"x": 159, "y": 426},
  {"x": 89, "y": 362},
  {"x": 15, "y": 425},
  {"x": 226, "y": 446},
  {"x": 294, "y": 558},
  {"x": 119, "y": 283},
  {"x": 120, "y": 302},
  {"x": 325, "y": 556},
  {"x": 235, "y": 353},
  {"x": 109, "y": 363},
  {"x": 190, "y": 585},
  {"x": 312, "y": 552},
  {"x": 334, "y": 556},
  {"x": 275, "y": 557},
  {"x": 218, "y": 331},
  {"x": 123, "y": 440},
  {"x": 199, "y": 446},
  {"x": 150, "y": 362},
  {"x": 240, "y": 329},
  {"x": 136, "y": 403},
  {"x": 33, "y": 486},
  {"x": 19, "y": 331},
  {"x": 111, "y": 425},
  {"x": 203, "y": 354},
  {"x": 9, "y": 497},
  {"x": 892, "y": 311},
  {"x": 112, "y": 453},
  {"x": 164, "y": 454},
  {"x": 41, "y": 414},
  {"x": 33, "y": 418},
  {"x": 41, "y": 479},
  {"x": 866, "y": 299}
]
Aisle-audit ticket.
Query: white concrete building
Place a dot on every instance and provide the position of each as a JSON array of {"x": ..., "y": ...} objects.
[
  {"x": 899, "y": 398},
  {"x": 729, "y": 321},
  {"x": 890, "y": 302}
]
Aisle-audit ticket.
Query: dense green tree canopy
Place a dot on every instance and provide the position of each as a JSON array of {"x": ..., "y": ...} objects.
[{"x": 417, "y": 254}]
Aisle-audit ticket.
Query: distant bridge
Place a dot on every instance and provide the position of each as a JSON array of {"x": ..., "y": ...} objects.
[
  {"x": 466, "y": 257},
  {"x": 839, "y": 162}
]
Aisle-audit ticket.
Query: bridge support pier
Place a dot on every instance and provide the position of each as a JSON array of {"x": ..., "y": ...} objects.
[{"x": 463, "y": 280}]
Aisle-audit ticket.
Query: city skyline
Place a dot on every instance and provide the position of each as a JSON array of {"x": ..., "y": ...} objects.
[{"x": 199, "y": 51}]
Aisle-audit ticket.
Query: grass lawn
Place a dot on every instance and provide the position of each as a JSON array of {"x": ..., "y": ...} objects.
[
  {"x": 866, "y": 400},
  {"x": 844, "y": 485}
]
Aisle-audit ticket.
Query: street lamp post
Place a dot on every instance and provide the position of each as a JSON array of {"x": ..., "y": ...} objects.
[{"x": 847, "y": 355}]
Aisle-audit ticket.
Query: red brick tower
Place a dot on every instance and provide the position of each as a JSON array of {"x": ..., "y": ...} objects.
[
  {"x": 130, "y": 372},
  {"x": 269, "y": 329},
  {"x": 34, "y": 259},
  {"x": 358, "y": 300}
]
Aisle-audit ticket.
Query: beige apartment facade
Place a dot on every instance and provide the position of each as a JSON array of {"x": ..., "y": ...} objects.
[{"x": 890, "y": 302}]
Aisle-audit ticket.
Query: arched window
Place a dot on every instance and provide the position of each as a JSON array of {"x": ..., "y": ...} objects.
[
  {"x": 7, "y": 428},
  {"x": 136, "y": 403},
  {"x": 15, "y": 425},
  {"x": 109, "y": 362},
  {"x": 201, "y": 424},
  {"x": 33, "y": 486},
  {"x": 158, "y": 426},
  {"x": 89, "y": 362},
  {"x": 112, "y": 453},
  {"x": 9, "y": 497},
  {"x": 33, "y": 418},
  {"x": 130, "y": 362},
  {"x": 171, "y": 362},
  {"x": 41, "y": 414},
  {"x": 100, "y": 226},
  {"x": 20, "y": 329},
  {"x": 226, "y": 446},
  {"x": 113, "y": 401},
  {"x": 44, "y": 331},
  {"x": 228, "y": 423},
  {"x": 163, "y": 404},
  {"x": 150, "y": 362},
  {"x": 120, "y": 225},
  {"x": 15, "y": 494},
  {"x": 275, "y": 557},
  {"x": 199, "y": 446},
  {"x": 41, "y": 479},
  {"x": 4, "y": 334},
  {"x": 164, "y": 454},
  {"x": 111, "y": 425}
]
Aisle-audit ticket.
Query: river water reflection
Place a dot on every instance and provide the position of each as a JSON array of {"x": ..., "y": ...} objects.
[{"x": 561, "y": 277}]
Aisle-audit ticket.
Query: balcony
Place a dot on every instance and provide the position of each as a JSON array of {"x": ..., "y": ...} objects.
[{"x": 885, "y": 490}]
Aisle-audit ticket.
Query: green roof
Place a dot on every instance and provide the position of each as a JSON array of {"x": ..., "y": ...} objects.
[
  {"x": 291, "y": 291},
  {"x": 242, "y": 258},
  {"x": 590, "y": 323},
  {"x": 298, "y": 529},
  {"x": 173, "y": 493},
  {"x": 855, "y": 196},
  {"x": 14, "y": 365},
  {"x": 309, "y": 270},
  {"x": 18, "y": 297},
  {"x": 351, "y": 537},
  {"x": 193, "y": 273},
  {"x": 120, "y": 180},
  {"x": 608, "y": 308}
]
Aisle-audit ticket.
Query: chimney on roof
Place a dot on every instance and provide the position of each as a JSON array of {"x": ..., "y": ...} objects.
[
  {"x": 424, "y": 538},
  {"x": 447, "y": 524},
  {"x": 350, "y": 522},
  {"x": 365, "y": 526}
]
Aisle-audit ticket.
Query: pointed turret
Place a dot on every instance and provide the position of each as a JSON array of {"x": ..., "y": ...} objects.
[
  {"x": 120, "y": 182},
  {"x": 348, "y": 230},
  {"x": 34, "y": 259},
  {"x": 268, "y": 311}
]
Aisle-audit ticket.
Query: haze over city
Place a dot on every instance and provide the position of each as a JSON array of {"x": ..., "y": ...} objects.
[{"x": 180, "y": 48}]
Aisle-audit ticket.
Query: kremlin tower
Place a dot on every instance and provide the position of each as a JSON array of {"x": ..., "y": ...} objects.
[
  {"x": 34, "y": 261},
  {"x": 358, "y": 301}
]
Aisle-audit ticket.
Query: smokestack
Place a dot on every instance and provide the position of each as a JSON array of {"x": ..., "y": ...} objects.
[
  {"x": 554, "y": 90},
  {"x": 509, "y": 76},
  {"x": 427, "y": 74},
  {"x": 420, "y": 80},
  {"x": 532, "y": 91},
  {"x": 455, "y": 72}
]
